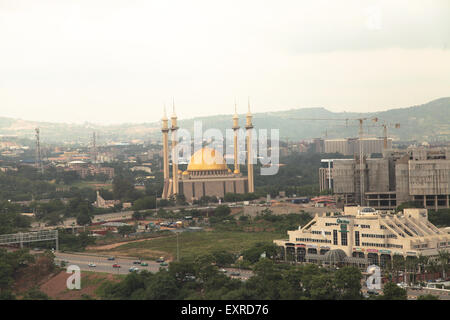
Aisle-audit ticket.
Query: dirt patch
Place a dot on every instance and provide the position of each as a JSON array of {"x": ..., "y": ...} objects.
[
  {"x": 115, "y": 245},
  {"x": 56, "y": 287}
]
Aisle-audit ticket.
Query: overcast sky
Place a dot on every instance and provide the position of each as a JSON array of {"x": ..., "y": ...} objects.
[{"x": 112, "y": 61}]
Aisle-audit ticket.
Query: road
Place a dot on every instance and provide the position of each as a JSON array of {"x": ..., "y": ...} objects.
[
  {"x": 104, "y": 265},
  {"x": 114, "y": 216}
]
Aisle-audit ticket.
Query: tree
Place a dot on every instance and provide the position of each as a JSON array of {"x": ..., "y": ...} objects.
[
  {"x": 348, "y": 283},
  {"x": 392, "y": 291},
  {"x": 83, "y": 219},
  {"x": 125, "y": 230},
  {"x": 443, "y": 258},
  {"x": 35, "y": 294}
]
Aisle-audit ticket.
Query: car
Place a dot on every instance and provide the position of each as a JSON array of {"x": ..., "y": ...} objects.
[
  {"x": 160, "y": 259},
  {"x": 136, "y": 262},
  {"x": 144, "y": 264},
  {"x": 372, "y": 292},
  {"x": 163, "y": 264},
  {"x": 402, "y": 285},
  {"x": 223, "y": 270},
  {"x": 92, "y": 265},
  {"x": 133, "y": 269},
  {"x": 111, "y": 258},
  {"x": 116, "y": 265},
  {"x": 235, "y": 273}
]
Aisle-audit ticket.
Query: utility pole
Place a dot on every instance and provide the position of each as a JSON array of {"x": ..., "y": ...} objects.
[
  {"x": 38, "y": 160},
  {"x": 178, "y": 249}
]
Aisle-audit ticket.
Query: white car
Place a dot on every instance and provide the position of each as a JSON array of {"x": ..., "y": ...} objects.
[
  {"x": 92, "y": 265},
  {"x": 223, "y": 270}
]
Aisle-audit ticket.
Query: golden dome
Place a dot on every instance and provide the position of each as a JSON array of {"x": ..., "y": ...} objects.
[{"x": 207, "y": 159}]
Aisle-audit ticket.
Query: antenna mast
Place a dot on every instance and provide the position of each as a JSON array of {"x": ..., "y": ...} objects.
[{"x": 38, "y": 160}]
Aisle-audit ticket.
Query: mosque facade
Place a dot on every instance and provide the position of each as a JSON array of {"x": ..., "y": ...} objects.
[{"x": 207, "y": 173}]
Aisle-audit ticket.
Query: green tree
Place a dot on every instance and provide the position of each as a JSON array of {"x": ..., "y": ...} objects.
[
  {"x": 125, "y": 230},
  {"x": 392, "y": 291},
  {"x": 348, "y": 283},
  {"x": 443, "y": 258}
]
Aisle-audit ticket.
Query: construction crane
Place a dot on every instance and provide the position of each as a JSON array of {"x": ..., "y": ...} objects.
[
  {"x": 385, "y": 133},
  {"x": 38, "y": 160},
  {"x": 361, "y": 151}
]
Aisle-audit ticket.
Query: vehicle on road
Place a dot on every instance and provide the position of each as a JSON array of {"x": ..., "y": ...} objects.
[
  {"x": 92, "y": 265},
  {"x": 160, "y": 259},
  {"x": 144, "y": 264},
  {"x": 116, "y": 265},
  {"x": 133, "y": 269},
  {"x": 372, "y": 292},
  {"x": 235, "y": 273},
  {"x": 111, "y": 258},
  {"x": 163, "y": 264},
  {"x": 223, "y": 270},
  {"x": 136, "y": 262}
]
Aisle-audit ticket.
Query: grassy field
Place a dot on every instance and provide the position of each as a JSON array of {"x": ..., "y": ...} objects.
[
  {"x": 196, "y": 244},
  {"x": 92, "y": 184}
]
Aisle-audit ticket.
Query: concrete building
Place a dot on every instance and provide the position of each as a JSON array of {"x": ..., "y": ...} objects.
[
  {"x": 102, "y": 203},
  {"x": 420, "y": 175},
  {"x": 363, "y": 236},
  {"x": 351, "y": 146}
]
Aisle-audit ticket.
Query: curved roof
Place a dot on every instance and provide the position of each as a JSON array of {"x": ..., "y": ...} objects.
[
  {"x": 207, "y": 159},
  {"x": 335, "y": 256}
]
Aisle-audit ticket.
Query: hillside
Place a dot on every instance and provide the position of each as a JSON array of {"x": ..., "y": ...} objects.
[{"x": 427, "y": 122}]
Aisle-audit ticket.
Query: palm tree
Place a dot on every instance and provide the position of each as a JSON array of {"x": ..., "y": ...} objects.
[
  {"x": 443, "y": 257},
  {"x": 432, "y": 266},
  {"x": 422, "y": 261}
]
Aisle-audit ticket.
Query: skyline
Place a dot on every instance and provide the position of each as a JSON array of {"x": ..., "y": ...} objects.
[{"x": 111, "y": 62}]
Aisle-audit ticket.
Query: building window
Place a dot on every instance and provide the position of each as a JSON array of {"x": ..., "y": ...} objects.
[
  {"x": 344, "y": 238},
  {"x": 335, "y": 237},
  {"x": 357, "y": 238}
]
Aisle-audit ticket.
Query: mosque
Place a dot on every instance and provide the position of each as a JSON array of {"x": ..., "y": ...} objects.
[{"x": 207, "y": 173}]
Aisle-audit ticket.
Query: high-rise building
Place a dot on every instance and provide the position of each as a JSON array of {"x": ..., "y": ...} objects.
[{"x": 418, "y": 175}]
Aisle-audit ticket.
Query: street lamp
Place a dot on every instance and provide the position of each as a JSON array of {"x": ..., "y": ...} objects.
[{"x": 178, "y": 249}]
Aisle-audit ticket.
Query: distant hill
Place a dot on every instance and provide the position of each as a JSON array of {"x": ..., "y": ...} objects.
[{"x": 427, "y": 122}]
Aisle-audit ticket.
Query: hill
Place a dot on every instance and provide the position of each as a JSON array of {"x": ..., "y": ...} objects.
[{"x": 428, "y": 122}]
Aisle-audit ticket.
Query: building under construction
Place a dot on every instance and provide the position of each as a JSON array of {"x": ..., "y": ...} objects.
[
  {"x": 418, "y": 175},
  {"x": 350, "y": 146}
]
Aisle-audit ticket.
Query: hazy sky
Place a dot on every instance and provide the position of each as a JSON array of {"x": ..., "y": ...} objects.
[{"x": 110, "y": 61}]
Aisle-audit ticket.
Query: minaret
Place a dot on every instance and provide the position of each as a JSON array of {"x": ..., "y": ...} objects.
[
  {"x": 249, "y": 127},
  {"x": 174, "y": 129},
  {"x": 235, "y": 129},
  {"x": 165, "y": 133}
]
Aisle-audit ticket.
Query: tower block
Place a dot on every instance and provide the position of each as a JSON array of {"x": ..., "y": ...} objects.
[{"x": 249, "y": 128}]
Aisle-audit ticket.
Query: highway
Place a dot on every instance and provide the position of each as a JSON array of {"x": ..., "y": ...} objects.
[
  {"x": 114, "y": 216},
  {"x": 104, "y": 265}
]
